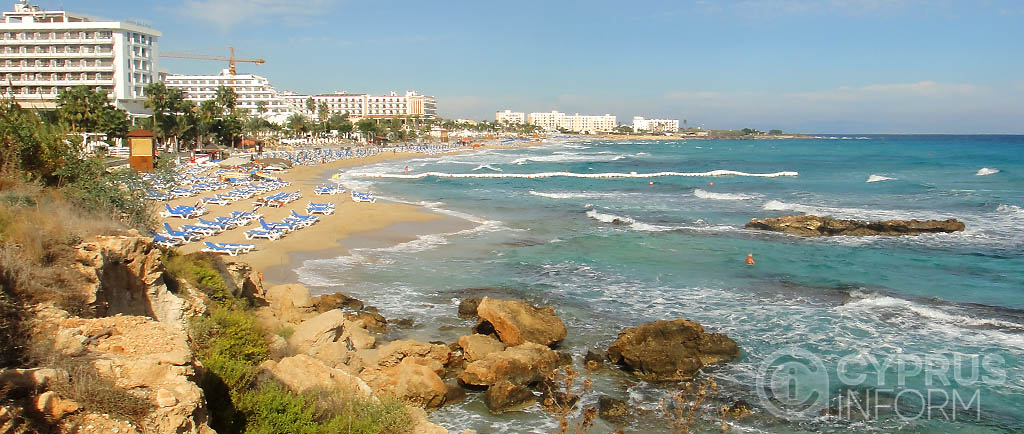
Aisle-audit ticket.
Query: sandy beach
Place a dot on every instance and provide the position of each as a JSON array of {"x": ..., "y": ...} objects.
[{"x": 327, "y": 237}]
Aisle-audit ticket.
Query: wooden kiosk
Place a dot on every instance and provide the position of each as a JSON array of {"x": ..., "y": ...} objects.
[{"x": 141, "y": 150}]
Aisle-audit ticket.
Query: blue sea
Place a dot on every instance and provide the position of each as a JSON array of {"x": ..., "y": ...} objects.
[{"x": 862, "y": 334}]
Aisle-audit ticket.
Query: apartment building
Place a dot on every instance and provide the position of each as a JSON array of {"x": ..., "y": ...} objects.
[
  {"x": 655, "y": 125},
  {"x": 510, "y": 117},
  {"x": 43, "y": 52}
]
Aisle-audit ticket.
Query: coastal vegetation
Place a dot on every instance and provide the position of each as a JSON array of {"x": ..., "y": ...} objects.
[{"x": 231, "y": 346}]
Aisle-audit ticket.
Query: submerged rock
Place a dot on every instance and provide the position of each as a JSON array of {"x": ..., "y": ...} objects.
[
  {"x": 670, "y": 350},
  {"x": 504, "y": 396},
  {"x": 337, "y": 300},
  {"x": 611, "y": 409},
  {"x": 826, "y": 226},
  {"x": 467, "y": 307},
  {"x": 516, "y": 322}
]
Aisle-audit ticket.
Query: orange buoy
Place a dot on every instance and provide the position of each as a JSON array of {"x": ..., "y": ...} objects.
[
  {"x": 566, "y": 170},
  {"x": 711, "y": 184},
  {"x": 750, "y": 259}
]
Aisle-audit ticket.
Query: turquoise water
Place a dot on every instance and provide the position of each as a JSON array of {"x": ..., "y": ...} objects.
[{"x": 678, "y": 251}]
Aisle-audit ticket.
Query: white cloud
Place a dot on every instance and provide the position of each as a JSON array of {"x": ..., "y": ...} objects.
[{"x": 229, "y": 13}]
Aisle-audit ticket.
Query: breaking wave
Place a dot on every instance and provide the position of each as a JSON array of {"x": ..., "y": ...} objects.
[
  {"x": 609, "y": 175},
  {"x": 722, "y": 196},
  {"x": 879, "y": 178},
  {"x": 985, "y": 171}
]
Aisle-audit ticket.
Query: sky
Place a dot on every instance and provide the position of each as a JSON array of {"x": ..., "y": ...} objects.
[{"x": 814, "y": 66}]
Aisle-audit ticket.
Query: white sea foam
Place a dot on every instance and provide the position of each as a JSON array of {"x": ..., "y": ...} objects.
[
  {"x": 487, "y": 166},
  {"x": 559, "y": 157},
  {"x": 866, "y": 300},
  {"x": 879, "y": 178},
  {"x": 575, "y": 195},
  {"x": 985, "y": 171},
  {"x": 1013, "y": 210},
  {"x": 609, "y": 175},
  {"x": 851, "y": 213},
  {"x": 608, "y": 218},
  {"x": 649, "y": 227},
  {"x": 722, "y": 196}
]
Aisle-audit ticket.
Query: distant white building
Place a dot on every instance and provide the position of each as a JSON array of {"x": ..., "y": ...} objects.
[
  {"x": 655, "y": 125},
  {"x": 43, "y": 52},
  {"x": 362, "y": 105},
  {"x": 577, "y": 123},
  {"x": 253, "y": 92},
  {"x": 511, "y": 117}
]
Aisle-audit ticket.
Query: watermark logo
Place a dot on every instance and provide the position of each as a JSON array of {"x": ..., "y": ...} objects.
[{"x": 794, "y": 383}]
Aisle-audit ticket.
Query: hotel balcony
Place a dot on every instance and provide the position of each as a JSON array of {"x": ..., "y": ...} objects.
[
  {"x": 56, "y": 69},
  {"x": 63, "y": 83},
  {"x": 42, "y": 41},
  {"x": 92, "y": 55}
]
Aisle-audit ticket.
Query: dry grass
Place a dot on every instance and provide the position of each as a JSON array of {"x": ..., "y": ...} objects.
[
  {"x": 38, "y": 231},
  {"x": 561, "y": 394},
  {"x": 686, "y": 411},
  {"x": 80, "y": 382}
]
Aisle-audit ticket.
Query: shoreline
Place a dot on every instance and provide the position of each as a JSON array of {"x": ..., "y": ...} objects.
[{"x": 353, "y": 225}]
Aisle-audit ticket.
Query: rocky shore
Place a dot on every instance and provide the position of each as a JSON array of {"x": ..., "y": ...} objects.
[{"x": 138, "y": 338}]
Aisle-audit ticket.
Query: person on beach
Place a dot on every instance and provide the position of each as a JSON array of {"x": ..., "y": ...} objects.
[{"x": 750, "y": 259}]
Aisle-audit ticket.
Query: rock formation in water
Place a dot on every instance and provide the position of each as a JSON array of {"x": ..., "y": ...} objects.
[
  {"x": 826, "y": 226},
  {"x": 670, "y": 350}
]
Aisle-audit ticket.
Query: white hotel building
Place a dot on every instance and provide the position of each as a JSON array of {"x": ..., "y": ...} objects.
[
  {"x": 577, "y": 123},
  {"x": 655, "y": 125},
  {"x": 251, "y": 90},
  {"x": 361, "y": 105},
  {"x": 43, "y": 52},
  {"x": 510, "y": 117}
]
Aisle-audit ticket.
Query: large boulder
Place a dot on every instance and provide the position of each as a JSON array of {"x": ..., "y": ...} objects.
[
  {"x": 477, "y": 347},
  {"x": 504, "y": 396},
  {"x": 393, "y": 352},
  {"x": 302, "y": 373},
  {"x": 516, "y": 322},
  {"x": 328, "y": 327},
  {"x": 670, "y": 350},
  {"x": 290, "y": 303},
  {"x": 416, "y": 381},
  {"x": 812, "y": 225},
  {"x": 524, "y": 364},
  {"x": 326, "y": 302}
]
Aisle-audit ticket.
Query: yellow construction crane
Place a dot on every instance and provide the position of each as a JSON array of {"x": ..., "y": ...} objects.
[{"x": 230, "y": 59}]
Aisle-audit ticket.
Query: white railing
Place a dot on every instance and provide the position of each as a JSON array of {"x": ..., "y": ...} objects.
[{"x": 118, "y": 151}]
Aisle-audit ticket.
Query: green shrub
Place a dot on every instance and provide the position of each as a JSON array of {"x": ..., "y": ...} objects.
[
  {"x": 272, "y": 410},
  {"x": 202, "y": 271},
  {"x": 347, "y": 413}
]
